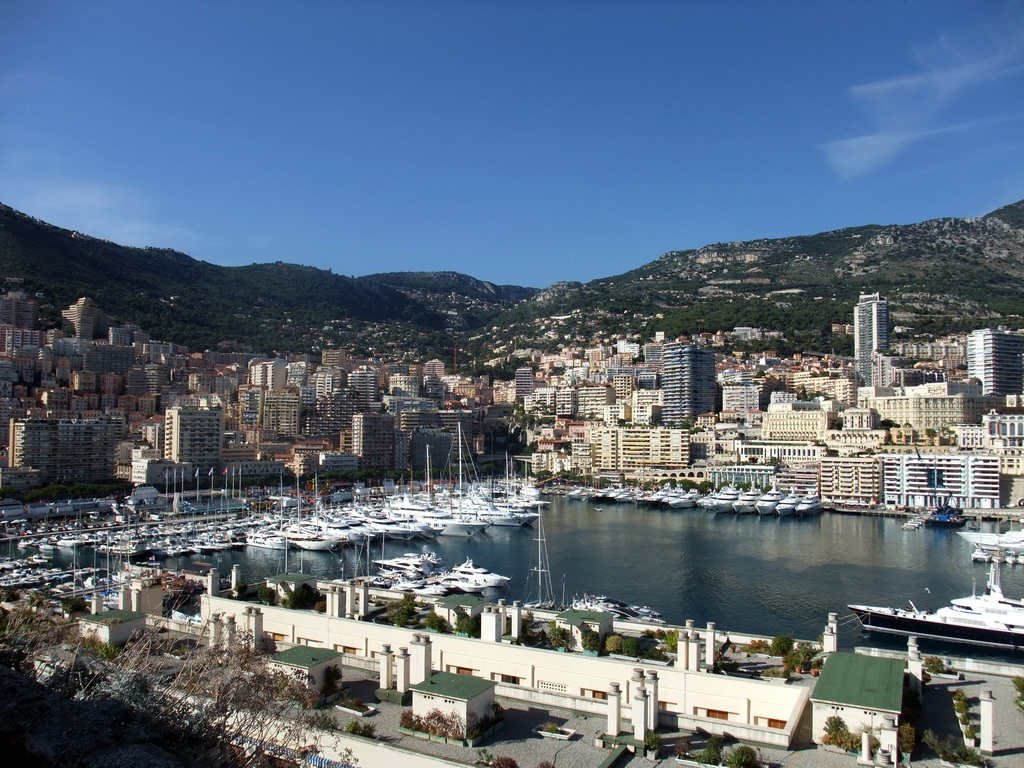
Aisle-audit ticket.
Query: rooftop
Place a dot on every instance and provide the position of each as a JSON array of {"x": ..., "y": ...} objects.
[
  {"x": 867, "y": 682},
  {"x": 461, "y": 601},
  {"x": 591, "y": 617},
  {"x": 112, "y": 617},
  {"x": 451, "y": 686},
  {"x": 291, "y": 577},
  {"x": 304, "y": 656}
]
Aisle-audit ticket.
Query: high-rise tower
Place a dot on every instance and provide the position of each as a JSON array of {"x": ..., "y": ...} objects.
[
  {"x": 996, "y": 358},
  {"x": 870, "y": 332},
  {"x": 688, "y": 382}
]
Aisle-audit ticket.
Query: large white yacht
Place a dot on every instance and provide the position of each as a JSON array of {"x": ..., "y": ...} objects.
[{"x": 986, "y": 619}]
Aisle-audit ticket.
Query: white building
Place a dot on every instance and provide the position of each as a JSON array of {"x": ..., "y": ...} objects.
[{"x": 968, "y": 481}]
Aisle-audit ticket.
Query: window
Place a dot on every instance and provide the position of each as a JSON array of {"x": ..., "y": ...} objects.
[
  {"x": 509, "y": 679},
  {"x": 461, "y": 670},
  {"x": 544, "y": 685},
  {"x": 717, "y": 714},
  {"x": 772, "y": 723},
  {"x": 350, "y": 650},
  {"x": 592, "y": 694},
  {"x": 277, "y": 637}
]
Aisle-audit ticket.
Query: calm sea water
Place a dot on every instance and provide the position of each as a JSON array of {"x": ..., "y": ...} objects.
[{"x": 746, "y": 573}]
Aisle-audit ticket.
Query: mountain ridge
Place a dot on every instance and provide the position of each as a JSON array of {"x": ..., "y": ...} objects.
[{"x": 941, "y": 274}]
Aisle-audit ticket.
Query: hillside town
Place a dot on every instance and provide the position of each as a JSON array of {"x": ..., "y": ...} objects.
[{"x": 900, "y": 425}]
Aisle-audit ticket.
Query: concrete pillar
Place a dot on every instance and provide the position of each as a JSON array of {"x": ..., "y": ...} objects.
[
  {"x": 236, "y": 577},
  {"x": 683, "y": 651},
  {"x": 387, "y": 671},
  {"x": 690, "y": 625},
  {"x": 694, "y": 651},
  {"x": 490, "y": 625},
  {"x": 364, "y": 601},
  {"x": 503, "y": 610},
  {"x": 639, "y": 714},
  {"x": 652, "y": 698},
  {"x": 419, "y": 652},
  {"x": 636, "y": 681},
  {"x": 229, "y": 633},
  {"x": 255, "y": 626},
  {"x": 97, "y": 602},
  {"x": 830, "y": 640},
  {"x": 887, "y": 739},
  {"x": 402, "y": 670},
  {"x": 614, "y": 710},
  {"x": 516, "y": 614},
  {"x": 915, "y": 668},
  {"x": 213, "y": 582},
  {"x": 216, "y": 631},
  {"x": 865, "y": 748},
  {"x": 350, "y": 600},
  {"x": 124, "y": 601},
  {"x": 988, "y": 723},
  {"x": 709, "y": 646},
  {"x": 883, "y": 758}
]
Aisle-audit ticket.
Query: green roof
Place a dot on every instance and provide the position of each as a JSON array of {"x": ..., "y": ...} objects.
[
  {"x": 461, "y": 601},
  {"x": 293, "y": 577},
  {"x": 578, "y": 617},
  {"x": 112, "y": 617},
  {"x": 866, "y": 682},
  {"x": 450, "y": 686},
  {"x": 305, "y": 656}
]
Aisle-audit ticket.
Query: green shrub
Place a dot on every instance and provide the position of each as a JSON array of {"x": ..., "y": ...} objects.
[
  {"x": 359, "y": 728},
  {"x": 591, "y": 641},
  {"x": 712, "y": 752},
  {"x": 613, "y": 643},
  {"x": 436, "y": 622},
  {"x": 630, "y": 646},
  {"x": 652, "y": 741},
  {"x": 781, "y": 645},
  {"x": 266, "y": 594},
  {"x": 464, "y": 624},
  {"x": 672, "y": 641},
  {"x": 741, "y": 756}
]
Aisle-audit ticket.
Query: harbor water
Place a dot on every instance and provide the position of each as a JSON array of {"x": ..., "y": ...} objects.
[{"x": 746, "y": 573}]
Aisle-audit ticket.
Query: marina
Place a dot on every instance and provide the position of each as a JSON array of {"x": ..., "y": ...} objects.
[{"x": 748, "y": 573}]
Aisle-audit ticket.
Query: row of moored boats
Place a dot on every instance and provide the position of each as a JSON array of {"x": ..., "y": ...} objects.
[{"x": 727, "y": 500}]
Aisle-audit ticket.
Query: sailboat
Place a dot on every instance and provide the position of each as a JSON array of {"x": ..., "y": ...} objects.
[{"x": 539, "y": 592}]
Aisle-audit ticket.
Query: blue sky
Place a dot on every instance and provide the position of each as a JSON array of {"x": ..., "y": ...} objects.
[{"x": 519, "y": 141}]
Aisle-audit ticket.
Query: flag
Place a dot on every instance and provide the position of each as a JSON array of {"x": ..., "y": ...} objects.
[
  {"x": 210, "y": 473},
  {"x": 197, "y": 473},
  {"x": 225, "y": 470}
]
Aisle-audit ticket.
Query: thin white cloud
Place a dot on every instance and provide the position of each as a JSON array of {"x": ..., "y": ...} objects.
[
  {"x": 115, "y": 213},
  {"x": 907, "y": 108}
]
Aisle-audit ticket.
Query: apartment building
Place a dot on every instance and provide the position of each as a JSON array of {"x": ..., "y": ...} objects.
[
  {"x": 969, "y": 481},
  {"x": 66, "y": 451},
  {"x": 281, "y": 411},
  {"x": 194, "y": 436},
  {"x": 638, "y": 451},
  {"x": 851, "y": 481}
]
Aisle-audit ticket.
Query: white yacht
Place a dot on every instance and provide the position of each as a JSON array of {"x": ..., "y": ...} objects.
[
  {"x": 266, "y": 541},
  {"x": 769, "y": 501},
  {"x": 787, "y": 505},
  {"x": 808, "y": 505},
  {"x": 480, "y": 575},
  {"x": 987, "y": 619},
  {"x": 746, "y": 502}
]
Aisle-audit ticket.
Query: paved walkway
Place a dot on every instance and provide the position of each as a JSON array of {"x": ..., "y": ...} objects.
[{"x": 518, "y": 741}]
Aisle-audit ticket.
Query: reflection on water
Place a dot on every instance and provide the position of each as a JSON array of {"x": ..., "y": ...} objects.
[{"x": 746, "y": 573}]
